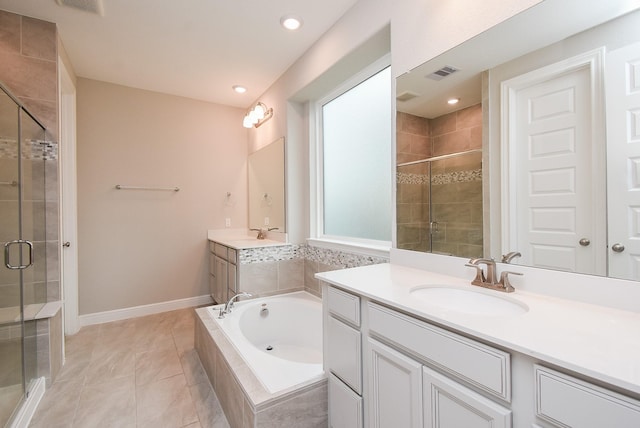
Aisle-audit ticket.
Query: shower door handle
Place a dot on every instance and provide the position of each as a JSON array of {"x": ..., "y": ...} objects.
[{"x": 7, "y": 251}]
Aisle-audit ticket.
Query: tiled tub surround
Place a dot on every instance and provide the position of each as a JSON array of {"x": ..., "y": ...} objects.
[
  {"x": 245, "y": 401},
  {"x": 267, "y": 267}
]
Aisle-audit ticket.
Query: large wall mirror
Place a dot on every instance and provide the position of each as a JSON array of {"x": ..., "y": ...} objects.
[
  {"x": 267, "y": 187},
  {"x": 538, "y": 153}
]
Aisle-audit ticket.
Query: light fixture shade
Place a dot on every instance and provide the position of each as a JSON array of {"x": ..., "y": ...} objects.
[
  {"x": 291, "y": 22},
  {"x": 259, "y": 114},
  {"x": 260, "y": 111}
]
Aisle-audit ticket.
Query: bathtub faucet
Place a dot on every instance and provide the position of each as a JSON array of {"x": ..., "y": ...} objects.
[{"x": 229, "y": 304}]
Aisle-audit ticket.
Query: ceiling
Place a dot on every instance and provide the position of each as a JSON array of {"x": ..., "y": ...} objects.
[{"x": 192, "y": 48}]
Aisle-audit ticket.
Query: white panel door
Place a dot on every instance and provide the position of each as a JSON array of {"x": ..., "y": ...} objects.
[
  {"x": 448, "y": 404},
  {"x": 623, "y": 161},
  {"x": 395, "y": 388},
  {"x": 552, "y": 173}
]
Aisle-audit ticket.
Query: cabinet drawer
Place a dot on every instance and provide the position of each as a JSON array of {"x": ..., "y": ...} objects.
[
  {"x": 344, "y": 353},
  {"x": 344, "y": 305},
  {"x": 221, "y": 251},
  {"x": 212, "y": 246},
  {"x": 480, "y": 365},
  {"x": 232, "y": 255},
  {"x": 345, "y": 406},
  {"x": 569, "y": 402}
]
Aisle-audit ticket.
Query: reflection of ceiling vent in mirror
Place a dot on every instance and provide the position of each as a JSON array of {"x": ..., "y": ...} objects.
[
  {"x": 91, "y": 6},
  {"x": 445, "y": 71},
  {"x": 406, "y": 96}
]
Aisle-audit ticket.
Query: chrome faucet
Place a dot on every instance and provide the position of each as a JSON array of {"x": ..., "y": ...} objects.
[
  {"x": 229, "y": 304},
  {"x": 490, "y": 280}
]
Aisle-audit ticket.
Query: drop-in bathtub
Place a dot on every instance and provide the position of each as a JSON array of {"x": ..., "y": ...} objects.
[
  {"x": 280, "y": 337},
  {"x": 269, "y": 351}
]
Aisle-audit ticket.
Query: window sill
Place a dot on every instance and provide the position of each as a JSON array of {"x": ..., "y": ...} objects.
[{"x": 368, "y": 249}]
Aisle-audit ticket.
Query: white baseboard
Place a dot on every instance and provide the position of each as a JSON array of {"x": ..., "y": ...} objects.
[
  {"x": 140, "y": 311},
  {"x": 28, "y": 409}
]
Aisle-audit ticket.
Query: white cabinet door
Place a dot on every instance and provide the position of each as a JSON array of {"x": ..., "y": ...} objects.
[
  {"x": 395, "y": 388},
  {"x": 345, "y": 406},
  {"x": 447, "y": 404},
  {"x": 220, "y": 285}
]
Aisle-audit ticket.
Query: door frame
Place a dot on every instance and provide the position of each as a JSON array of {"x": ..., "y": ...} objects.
[
  {"x": 68, "y": 200},
  {"x": 594, "y": 61}
]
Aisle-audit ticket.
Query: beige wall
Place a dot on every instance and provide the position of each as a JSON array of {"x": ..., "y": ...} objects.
[{"x": 144, "y": 247}]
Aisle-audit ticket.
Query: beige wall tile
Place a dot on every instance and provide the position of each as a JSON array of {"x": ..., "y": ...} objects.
[
  {"x": 291, "y": 274},
  {"x": 9, "y": 32},
  {"x": 39, "y": 39},
  {"x": 29, "y": 77}
]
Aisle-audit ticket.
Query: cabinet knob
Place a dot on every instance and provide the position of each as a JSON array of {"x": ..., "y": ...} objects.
[
  {"x": 66, "y": 244},
  {"x": 584, "y": 242}
]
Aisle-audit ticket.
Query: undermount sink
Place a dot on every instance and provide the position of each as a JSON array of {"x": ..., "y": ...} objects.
[{"x": 467, "y": 301}]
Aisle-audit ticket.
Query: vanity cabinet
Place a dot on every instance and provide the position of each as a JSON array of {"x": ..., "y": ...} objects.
[
  {"x": 405, "y": 372},
  {"x": 565, "y": 401},
  {"x": 223, "y": 268}
]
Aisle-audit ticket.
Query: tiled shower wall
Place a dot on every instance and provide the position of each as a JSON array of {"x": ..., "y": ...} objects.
[
  {"x": 452, "y": 191},
  {"x": 29, "y": 58}
]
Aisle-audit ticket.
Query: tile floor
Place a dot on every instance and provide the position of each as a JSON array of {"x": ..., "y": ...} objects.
[{"x": 142, "y": 372}]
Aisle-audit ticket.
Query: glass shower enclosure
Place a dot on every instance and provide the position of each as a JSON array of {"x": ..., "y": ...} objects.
[
  {"x": 23, "y": 282},
  {"x": 439, "y": 204}
]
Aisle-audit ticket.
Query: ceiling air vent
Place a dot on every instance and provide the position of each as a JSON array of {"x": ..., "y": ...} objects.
[
  {"x": 406, "y": 96},
  {"x": 445, "y": 71},
  {"x": 91, "y": 6}
]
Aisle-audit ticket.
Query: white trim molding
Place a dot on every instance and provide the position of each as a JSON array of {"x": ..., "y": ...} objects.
[
  {"x": 30, "y": 405},
  {"x": 140, "y": 311}
]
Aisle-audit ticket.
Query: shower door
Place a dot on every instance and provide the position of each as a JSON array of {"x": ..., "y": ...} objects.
[{"x": 22, "y": 276}]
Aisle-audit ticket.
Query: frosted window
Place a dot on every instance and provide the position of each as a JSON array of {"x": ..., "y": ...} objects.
[{"x": 356, "y": 129}]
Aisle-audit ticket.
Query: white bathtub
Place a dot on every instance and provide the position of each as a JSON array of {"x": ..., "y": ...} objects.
[{"x": 279, "y": 337}]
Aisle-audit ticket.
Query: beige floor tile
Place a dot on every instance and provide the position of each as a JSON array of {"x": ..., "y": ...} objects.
[
  {"x": 108, "y": 404},
  {"x": 142, "y": 372},
  {"x": 109, "y": 366},
  {"x": 154, "y": 365},
  {"x": 165, "y": 403},
  {"x": 58, "y": 406}
]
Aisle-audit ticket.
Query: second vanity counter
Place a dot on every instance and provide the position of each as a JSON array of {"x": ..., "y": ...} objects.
[{"x": 596, "y": 341}]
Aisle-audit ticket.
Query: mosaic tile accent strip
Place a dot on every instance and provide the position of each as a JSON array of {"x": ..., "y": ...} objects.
[
  {"x": 409, "y": 178},
  {"x": 340, "y": 258},
  {"x": 270, "y": 254},
  {"x": 31, "y": 149},
  {"x": 457, "y": 177},
  {"x": 316, "y": 254},
  {"x": 447, "y": 178}
]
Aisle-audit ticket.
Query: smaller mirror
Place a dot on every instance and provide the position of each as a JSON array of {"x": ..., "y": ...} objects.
[{"x": 267, "y": 187}]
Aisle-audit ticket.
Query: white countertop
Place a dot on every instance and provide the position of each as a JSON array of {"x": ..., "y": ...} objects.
[
  {"x": 242, "y": 239},
  {"x": 597, "y": 341}
]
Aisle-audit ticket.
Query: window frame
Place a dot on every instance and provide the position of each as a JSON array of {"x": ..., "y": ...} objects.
[{"x": 317, "y": 236}]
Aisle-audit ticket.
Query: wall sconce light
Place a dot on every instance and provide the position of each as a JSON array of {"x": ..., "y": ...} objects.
[{"x": 257, "y": 116}]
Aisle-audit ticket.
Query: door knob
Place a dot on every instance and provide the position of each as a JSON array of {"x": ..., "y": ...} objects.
[
  {"x": 618, "y": 248},
  {"x": 584, "y": 242},
  {"x": 66, "y": 244}
]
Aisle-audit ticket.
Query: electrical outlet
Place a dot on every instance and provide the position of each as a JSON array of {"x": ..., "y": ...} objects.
[
  {"x": 266, "y": 221},
  {"x": 227, "y": 222}
]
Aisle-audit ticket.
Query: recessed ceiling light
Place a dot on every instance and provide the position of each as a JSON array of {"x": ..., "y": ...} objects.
[
  {"x": 453, "y": 101},
  {"x": 291, "y": 22},
  {"x": 239, "y": 89}
]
